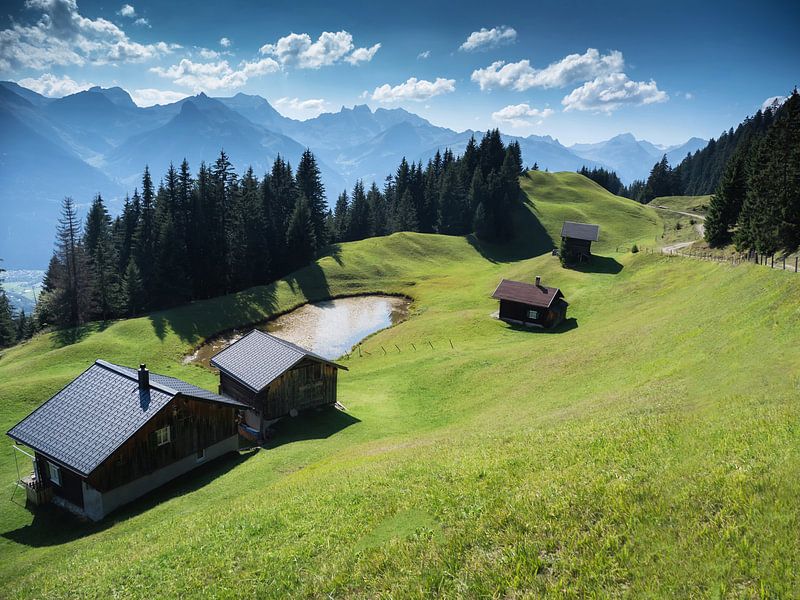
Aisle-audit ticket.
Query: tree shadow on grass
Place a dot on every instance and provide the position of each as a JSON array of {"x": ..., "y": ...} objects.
[
  {"x": 52, "y": 526},
  {"x": 204, "y": 318},
  {"x": 565, "y": 326},
  {"x": 310, "y": 425},
  {"x": 598, "y": 264},
  {"x": 67, "y": 336},
  {"x": 530, "y": 238},
  {"x": 310, "y": 282}
]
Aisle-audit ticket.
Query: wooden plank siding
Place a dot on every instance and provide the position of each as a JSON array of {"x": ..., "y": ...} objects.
[
  {"x": 307, "y": 384},
  {"x": 519, "y": 313},
  {"x": 194, "y": 425}
]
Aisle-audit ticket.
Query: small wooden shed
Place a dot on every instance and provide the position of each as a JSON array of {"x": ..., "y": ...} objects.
[
  {"x": 275, "y": 377},
  {"x": 115, "y": 433},
  {"x": 577, "y": 240},
  {"x": 530, "y": 304}
]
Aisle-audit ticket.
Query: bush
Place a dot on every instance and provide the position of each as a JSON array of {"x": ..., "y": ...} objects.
[{"x": 634, "y": 249}]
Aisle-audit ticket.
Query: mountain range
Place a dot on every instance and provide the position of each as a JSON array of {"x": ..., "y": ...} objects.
[{"x": 99, "y": 140}]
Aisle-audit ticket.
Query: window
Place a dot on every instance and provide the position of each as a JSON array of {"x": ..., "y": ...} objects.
[
  {"x": 54, "y": 472},
  {"x": 163, "y": 436},
  {"x": 533, "y": 314}
]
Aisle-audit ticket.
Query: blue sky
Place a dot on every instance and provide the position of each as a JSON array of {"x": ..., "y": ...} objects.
[{"x": 579, "y": 71}]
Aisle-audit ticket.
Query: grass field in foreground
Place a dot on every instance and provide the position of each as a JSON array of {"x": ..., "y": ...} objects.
[{"x": 648, "y": 449}]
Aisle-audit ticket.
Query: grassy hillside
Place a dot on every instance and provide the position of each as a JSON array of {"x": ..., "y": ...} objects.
[
  {"x": 691, "y": 204},
  {"x": 648, "y": 448}
]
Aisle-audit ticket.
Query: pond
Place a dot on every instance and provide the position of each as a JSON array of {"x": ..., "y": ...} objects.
[{"x": 329, "y": 328}]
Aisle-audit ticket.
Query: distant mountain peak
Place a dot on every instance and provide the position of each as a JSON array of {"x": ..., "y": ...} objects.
[{"x": 115, "y": 94}]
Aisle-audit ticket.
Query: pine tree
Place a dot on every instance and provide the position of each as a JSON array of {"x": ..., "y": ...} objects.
[
  {"x": 340, "y": 217},
  {"x": 301, "y": 241},
  {"x": 309, "y": 184},
  {"x": 358, "y": 225},
  {"x": 453, "y": 213},
  {"x": 8, "y": 329},
  {"x": 145, "y": 237},
  {"x": 726, "y": 203},
  {"x": 134, "y": 294},
  {"x": 377, "y": 211},
  {"x": 482, "y": 224},
  {"x": 405, "y": 215},
  {"x": 71, "y": 256},
  {"x": 102, "y": 262}
]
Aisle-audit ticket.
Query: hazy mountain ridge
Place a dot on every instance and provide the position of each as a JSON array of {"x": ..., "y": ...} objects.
[{"x": 99, "y": 140}]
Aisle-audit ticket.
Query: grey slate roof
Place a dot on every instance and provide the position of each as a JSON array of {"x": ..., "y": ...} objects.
[
  {"x": 97, "y": 412},
  {"x": 580, "y": 231},
  {"x": 258, "y": 358}
]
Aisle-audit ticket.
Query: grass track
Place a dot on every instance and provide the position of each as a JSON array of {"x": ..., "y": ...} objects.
[{"x": 649, "y": 449}]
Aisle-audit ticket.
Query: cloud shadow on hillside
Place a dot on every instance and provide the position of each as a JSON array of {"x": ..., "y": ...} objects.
[
  {"x": 530, "y": 238},
  {"x": 53, "y": 526},
  {"x": 310, "y": 425}
]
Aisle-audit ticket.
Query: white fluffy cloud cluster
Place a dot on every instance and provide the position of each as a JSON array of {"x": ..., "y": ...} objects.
[
  {"x": 54, "y": 87},
  {"x": 301, "y": 109},
  {"x": 519, "y": 115},
  {"x": 217, "y": 75},
  {"x": 62, "y": 36},
  {"x": 609, "y": 92},
  {"x": 489, "y": 38},
  {"x": 298, "y": 50},
  {"x": 604, "y": 86},
  {"x": 414, "y": 89},
  {"x": 151, "y": 96}
]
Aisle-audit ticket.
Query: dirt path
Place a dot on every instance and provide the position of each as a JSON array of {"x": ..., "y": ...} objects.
[{"x": 676, "y": 247}]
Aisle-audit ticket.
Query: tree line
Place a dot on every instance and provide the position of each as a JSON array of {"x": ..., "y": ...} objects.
[
  {"x": 201, "y": 235},
  {"x": 453, "y": 195}
]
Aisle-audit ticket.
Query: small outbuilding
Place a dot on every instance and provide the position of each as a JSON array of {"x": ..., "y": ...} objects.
[
  {"x": 115, "y": 433},
  {"x": 274, "y": 377},
  {"x": 530, "y": 304},
  {"x": 576, "y": 240}
]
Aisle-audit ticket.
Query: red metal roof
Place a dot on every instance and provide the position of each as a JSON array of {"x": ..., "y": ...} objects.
[{"x": 527, "y": 293}]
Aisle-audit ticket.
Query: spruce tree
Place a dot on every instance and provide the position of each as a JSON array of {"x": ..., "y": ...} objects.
[
  {"x": 341, "y": 217},
  {"x": 309, "y": 184},
  {"x": 8, "y": 329},
  {"x": 133, "y": 291},
  {"x": 405, "y": 215},
  {"x": 301, "y": 242},
  {"x": 358, "y": 224}
]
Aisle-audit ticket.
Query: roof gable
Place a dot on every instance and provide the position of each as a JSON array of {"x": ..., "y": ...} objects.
[
  {"x": 527, "y": 293},
  {"x": 580, "y": 231},
  {"x": 258, "y": 358},
  {"x": 97, "y": 412}
]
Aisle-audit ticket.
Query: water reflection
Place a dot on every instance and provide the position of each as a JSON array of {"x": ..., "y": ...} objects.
[{"x": 330, "y": 328}]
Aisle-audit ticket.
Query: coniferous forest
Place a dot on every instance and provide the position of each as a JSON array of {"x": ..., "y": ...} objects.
[{"x": 199, "y": 235}]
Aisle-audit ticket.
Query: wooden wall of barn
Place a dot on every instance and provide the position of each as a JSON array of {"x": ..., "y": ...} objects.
[
  {"x": 194, "y": 425},
  {"x": 310, "y": 383}
]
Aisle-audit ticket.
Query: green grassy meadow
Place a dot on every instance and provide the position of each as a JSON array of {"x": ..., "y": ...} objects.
[
  {"x": 691, "y": 204},
  {"x": 648, "y": 448}
]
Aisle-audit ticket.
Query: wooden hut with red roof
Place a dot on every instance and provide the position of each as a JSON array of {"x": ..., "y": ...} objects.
[{"x": 530, "y": 304}]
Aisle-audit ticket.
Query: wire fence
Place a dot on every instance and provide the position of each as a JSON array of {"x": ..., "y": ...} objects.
[
  {"x": 780, "y": 262},
  {"x": 394, "y": 349}
]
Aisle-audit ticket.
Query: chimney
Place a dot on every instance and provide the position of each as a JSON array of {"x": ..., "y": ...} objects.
[
  {"x": 144, "y": 377},
  {"x": 538, "y": 284}
]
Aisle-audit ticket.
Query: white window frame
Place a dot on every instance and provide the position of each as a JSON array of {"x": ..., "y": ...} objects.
[
  {"x": 163, "y": 436},
  {"x": 54, "y": 473},
  {"x": 533, "y": 314}
]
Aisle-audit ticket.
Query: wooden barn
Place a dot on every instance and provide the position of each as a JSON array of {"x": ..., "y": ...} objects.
[
  {"x": 274, "y": 377},
  {"x": 115, "y": 433},
  {"x": 530, "y": 304},
  {"x": 577, "y": 240}
]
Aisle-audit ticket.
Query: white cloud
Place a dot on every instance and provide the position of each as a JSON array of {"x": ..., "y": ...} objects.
[
  {"x": 297, "y": 50},
  {"x": 127, "y": 11},
  {"x": 224, "y": 42},
  {"x": 424, "y": 55},
  {"x": 414, "y": 89},
  {"x": 142, "y": 22},
  {"x": 208, "y": 54},
  {"x": 54, "y": 87},
  {"x": 62, "y": 36},
  {"x": 573, "y": 68},
  {"x": 489, "y": 38},
  {"x": 217, "y": 75},
  {"x": 773, "y": 101},
  {"x": 689, "y": 96},
  {"x": 151, "y": 96},
  {"x": 609, "y": 92},
  {"x": 519, "y": 115},
  {"x": 301, "y": 109},
  {"x": 360, "y": 55}
]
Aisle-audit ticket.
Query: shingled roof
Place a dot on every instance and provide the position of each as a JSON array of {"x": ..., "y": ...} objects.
[
  {"x": 527, "y": 293},
  {"x": 580, "y": 231},
  {"x": 258, "y": 358},
  {"x": 98, "y": 411}
]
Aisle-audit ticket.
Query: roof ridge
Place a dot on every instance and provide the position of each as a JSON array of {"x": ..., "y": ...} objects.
[{"x": 119, "y": 370}]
